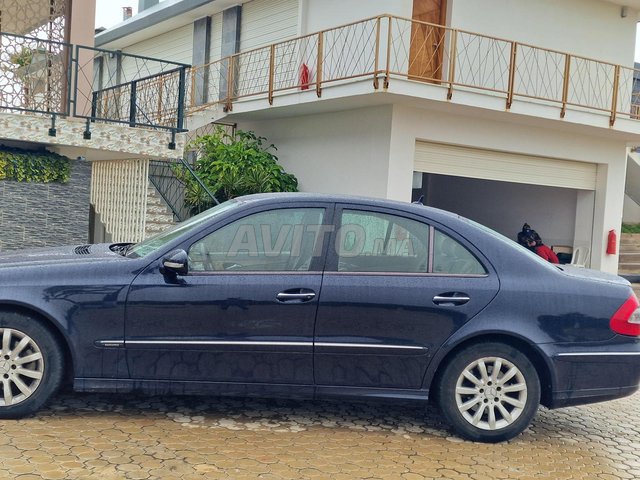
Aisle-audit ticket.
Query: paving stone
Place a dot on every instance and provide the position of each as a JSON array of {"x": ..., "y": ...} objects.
[{"x": 108, "y": 436}]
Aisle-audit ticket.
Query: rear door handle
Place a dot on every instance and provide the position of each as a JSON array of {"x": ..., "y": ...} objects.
[
  {"x": 296, "y": 295},
  {"x": 451, "y": 298}
]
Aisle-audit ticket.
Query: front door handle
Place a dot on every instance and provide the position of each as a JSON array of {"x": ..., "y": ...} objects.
[
  {"x": 296, "y": 295},
  {"x": 451, "y": 298}
]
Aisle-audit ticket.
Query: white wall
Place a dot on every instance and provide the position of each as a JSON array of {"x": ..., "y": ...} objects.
[
  {"x": 267, "y": 21},
  {"x": 631, "y": 211},
  {"x": 322, "y": 14},
  {"x": 591, "y": 28},
  {"x": 174, "y": 46},
  {"x": 342, "y": 152},
  {"x": 215, "y": 49}
]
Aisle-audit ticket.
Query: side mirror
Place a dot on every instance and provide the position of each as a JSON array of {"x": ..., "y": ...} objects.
[{"x": 176, "y": 262}]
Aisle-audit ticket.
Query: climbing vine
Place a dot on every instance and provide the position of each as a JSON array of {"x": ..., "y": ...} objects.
[{"x": 33, "y": 166}]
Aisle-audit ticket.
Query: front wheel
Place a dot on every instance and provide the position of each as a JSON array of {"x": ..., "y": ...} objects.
[
  {"x": 31, "y": 364},
  {"x": 489, "y": 392}
]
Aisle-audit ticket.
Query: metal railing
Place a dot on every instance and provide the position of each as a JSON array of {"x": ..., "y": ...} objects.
[
  {"x": 53, "y": 78},
  {"x": 386, "y": 47},
  {"x": 175, "y": 180}
]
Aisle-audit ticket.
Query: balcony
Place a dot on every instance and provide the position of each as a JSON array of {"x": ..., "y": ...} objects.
[
  {"x": 111, "y": 103},
  {"x": 396, "y": 54}
]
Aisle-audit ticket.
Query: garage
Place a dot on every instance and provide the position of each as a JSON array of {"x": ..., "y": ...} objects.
[{"x": 503, "y": 190}]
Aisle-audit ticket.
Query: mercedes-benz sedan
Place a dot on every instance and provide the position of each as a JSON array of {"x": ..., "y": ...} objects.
[{"x": 299, "y": 295}]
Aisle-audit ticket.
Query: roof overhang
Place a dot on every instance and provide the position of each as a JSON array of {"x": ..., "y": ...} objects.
[{"x": 163, "y": 17}]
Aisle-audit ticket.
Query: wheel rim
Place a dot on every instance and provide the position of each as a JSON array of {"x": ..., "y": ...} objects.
[
  {"x": 21, "y": 366},
  {"x": 491, "y": 393}
]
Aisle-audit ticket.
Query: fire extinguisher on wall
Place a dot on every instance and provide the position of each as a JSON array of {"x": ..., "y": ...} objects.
[
  {"x": 304, "y": 77},
  {"x": 612, "y": 241}
]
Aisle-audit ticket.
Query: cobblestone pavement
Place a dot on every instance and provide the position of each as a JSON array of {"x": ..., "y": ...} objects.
[{"x": 115, "y": 437}]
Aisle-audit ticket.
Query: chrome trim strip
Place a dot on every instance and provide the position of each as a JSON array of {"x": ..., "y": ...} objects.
[
  {"x": 216, "y": 342},
  {"x": 458, "y": 300},
  {"x": 271, "y": 344},
  {"x": 411, "y": 274},
  {"x": 368, "y": 345},
  {"x": 596, "y": 354},
  {"x": 110, "y": 343}
]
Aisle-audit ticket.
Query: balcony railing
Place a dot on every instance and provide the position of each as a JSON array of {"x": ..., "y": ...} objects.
[
  {"x": 52, "y": 78},
  {"x": 387, "y": 47}
]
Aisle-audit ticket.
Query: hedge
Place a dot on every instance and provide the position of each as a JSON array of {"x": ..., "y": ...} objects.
[{"x": 33, "y": 166}]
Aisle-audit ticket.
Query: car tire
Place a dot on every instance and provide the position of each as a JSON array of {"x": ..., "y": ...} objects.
[
  {"x": 489, "y": 392},
  {"x": 31, "y": 365}
]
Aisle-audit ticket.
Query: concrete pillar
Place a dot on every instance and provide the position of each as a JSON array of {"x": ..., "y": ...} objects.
[
  {"x": 607, "y": 213},
  {"x": 231, "y": 19},
  {"x": 200, "y": 56},
  {"x": 82, "y": 32}
]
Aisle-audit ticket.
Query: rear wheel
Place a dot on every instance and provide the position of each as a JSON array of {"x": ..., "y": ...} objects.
[
  {"x": 489, "y": 392},
  {"x": 31, "y": 365}
]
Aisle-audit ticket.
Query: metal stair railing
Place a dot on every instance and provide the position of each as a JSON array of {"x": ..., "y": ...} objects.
[{"x": 172, "y": 188}]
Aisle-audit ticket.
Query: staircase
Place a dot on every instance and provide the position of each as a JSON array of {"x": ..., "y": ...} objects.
[
  {"x": 159, "y": 216},
  {"x": 629, "y": 262}
]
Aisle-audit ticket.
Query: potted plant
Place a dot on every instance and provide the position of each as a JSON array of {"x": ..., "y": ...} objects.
[{"x": 31, "y": 67}]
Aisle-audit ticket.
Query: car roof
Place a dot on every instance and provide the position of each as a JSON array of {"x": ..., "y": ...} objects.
[{"x": 415, "y": 208}]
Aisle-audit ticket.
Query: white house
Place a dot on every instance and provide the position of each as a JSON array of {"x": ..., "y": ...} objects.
[{"x": 510, "y": 111}]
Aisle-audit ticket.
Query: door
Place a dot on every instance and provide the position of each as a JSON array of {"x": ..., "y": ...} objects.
[
  {"x": 427, "y": 41},
  {"x": 244, "y": 313},
  {"x": 394, "y": 290}
]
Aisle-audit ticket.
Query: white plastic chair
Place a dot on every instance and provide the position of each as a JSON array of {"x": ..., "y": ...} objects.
[{"x": 580, "y": 256}]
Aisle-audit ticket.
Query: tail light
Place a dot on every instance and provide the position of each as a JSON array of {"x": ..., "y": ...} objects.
[{"x": 626, "y": 320}]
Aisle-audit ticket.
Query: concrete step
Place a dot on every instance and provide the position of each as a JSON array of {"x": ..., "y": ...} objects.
[
  {"x": 629, "y": 268},
  {"x": 158, "y": 216},
  {"x": 629, "y": 257},
  {"x": 159, "y": 210},
  {"x": 151, "y": 228},
  {"x": 156, "y": 201},
  {"x": 162, "y": 217},
  {"x": 630, "y": 239}
]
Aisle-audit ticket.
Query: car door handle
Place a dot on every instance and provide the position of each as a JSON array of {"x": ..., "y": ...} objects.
[
  {"x": 296, "y": 295},
  {"x": 452, "y": 298}
]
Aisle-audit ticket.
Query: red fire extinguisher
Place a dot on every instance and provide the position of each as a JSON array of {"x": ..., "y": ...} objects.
[
  {"x": 612, "y": 240},
  {"x": 304, "y": 77}
]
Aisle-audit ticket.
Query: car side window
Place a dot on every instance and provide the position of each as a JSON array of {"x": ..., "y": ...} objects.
[
  {"x": 379, "y": 242},
  {"x": 449, "y": 256},
  {"x": 272, "y": 241}
]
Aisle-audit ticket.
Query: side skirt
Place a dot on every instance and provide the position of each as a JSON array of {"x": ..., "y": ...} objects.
[{"x": 165, "y": 387}]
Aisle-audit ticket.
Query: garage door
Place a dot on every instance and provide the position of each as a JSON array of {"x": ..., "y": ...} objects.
[{"x": 502, "y": 166}]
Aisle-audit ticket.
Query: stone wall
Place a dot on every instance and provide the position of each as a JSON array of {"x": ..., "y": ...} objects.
[{"x": 46, "y": 214}]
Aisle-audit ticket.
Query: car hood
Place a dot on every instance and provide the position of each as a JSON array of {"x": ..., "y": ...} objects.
[
  {"x": 50, "y": 255},
  {"x": 593, "y": 274}
]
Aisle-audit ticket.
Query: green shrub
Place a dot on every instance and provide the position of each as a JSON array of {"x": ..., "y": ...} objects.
[
  {"x": 631, "y": 228},
  {"x": 234, "y": 165},
  {"x": 33, "y": 166}
]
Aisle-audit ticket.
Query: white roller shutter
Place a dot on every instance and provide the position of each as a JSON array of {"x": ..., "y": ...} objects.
[
  {"x": 267, "y": 21},
  {"x": 503, "y": 166}
]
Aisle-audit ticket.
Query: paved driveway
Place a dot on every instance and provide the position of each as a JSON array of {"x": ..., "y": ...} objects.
[{"x": 107, "y": 436}]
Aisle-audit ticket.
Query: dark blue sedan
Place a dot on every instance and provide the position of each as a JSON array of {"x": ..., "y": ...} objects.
[{"x": 298, "y": 295}]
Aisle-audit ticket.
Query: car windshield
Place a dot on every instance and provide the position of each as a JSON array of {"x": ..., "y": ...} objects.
[{"x": 156, "y": 242}]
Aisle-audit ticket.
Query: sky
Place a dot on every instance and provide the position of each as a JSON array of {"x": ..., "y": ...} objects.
[{"x": 109, "y": 12}]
